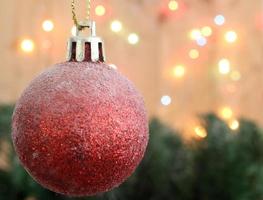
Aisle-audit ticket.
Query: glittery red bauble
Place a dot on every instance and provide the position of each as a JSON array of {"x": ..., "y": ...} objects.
[{"x": 80, "y": 128}]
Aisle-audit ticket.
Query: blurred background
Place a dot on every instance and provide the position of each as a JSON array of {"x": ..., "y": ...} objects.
[{"x": 198, "y": 64}]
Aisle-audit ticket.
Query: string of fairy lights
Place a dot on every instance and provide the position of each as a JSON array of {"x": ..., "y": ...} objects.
[
  {"x": 28, "y": 45},
  {"x": 200, "y": 36}
]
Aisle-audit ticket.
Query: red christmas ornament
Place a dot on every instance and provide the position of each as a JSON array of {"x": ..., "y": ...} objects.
[{"x": 80, "y": 128}]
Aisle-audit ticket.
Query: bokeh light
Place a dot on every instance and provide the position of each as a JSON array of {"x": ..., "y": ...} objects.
[
  {"x": 219, "y": 20},
  {"x": 179, "y": 71},
  {"x": 206, "y": 31},
  {"x": 231, "y": 36},
  {"x": 27, "y": 45},
  {"x": 226, "y": 113},
  {"x": 224, "y": 66},
  {"x": 193, "y": 54},
  {"x": 166, "y": 100},
  {"x": 200, "y": 131},
  {"x": 48, "y": 25},
  {"x": 133, "y": 38},
  {"x": 233, "y": 124},
  {"x": 173, "y": 5},
  {"x": 100, "y": 10},
  {"x": 201, "y": 41},
  {"x": 116, "y": 26},
  {"x": 195, "y": 34}
]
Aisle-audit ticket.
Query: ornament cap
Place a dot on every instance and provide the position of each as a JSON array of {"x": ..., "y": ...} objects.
[{"x": 85, "y": 48}]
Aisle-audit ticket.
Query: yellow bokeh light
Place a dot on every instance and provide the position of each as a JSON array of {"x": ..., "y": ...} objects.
[
  {"x": 233, "y": 124},
  {"x": 200, "y": 131},
  {"x": 48, "y": 25},
  {"x": 195, "y": 34},
  {"x": 206, "y": 31},
  {"x": 226, "y": 113},
  {"x": 116, "y": 26},
  {"x": 100, "y": 10},
  {"x": 27, "y": 45},
  {"x": 224, "y": 66},
  {"x": 133, "y": 38},
  {"x": 193, "y": 54},
  {"x": 179, "y": 71},
  {"x": 230, "y": 36},
  {"x": 173, "y": 5}
]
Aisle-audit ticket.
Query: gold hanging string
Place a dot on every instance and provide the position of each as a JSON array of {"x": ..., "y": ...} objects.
[
  {"x": 74, "y": 15},
  {"x": 88, "y": 9}
]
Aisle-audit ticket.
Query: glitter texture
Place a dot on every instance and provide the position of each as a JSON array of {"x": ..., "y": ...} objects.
[{"x": 80, "y": 128}]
